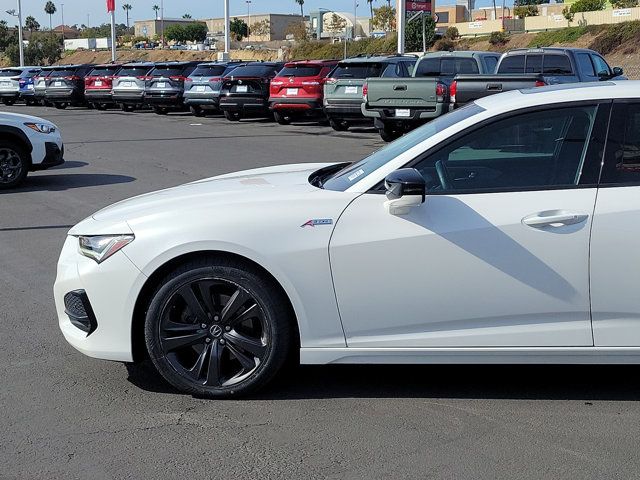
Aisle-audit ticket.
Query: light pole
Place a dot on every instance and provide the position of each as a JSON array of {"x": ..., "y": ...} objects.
[
  {"x": 62, "y": 12},
  {"x": 227, "y": 36},
  {"x": 248, "y": 2},
  {"x": 20, "y": 42},
  {"x": 400, "y": 24},
  {"x": 162, "y": 20},
  {"x": 355, "y": 18}
]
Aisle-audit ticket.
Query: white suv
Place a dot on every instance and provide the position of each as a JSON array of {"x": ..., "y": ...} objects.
[{"x": 27, "y": 144}]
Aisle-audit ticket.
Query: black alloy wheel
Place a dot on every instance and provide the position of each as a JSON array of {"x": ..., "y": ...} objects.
[
  {"x": 217, "y": 331},
  {"x": 14, "y": 165}
]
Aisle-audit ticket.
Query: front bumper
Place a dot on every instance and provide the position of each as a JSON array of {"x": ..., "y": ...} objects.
[
  {"x": 111, "y": 288},
  {"x": 54, "y": 156},
  {"x": 244, "y": 104}
]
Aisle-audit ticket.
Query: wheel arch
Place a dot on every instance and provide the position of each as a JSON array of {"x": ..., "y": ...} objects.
[{"x": 138, "y": 347}]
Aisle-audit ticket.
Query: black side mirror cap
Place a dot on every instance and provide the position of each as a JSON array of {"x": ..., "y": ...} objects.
[
  {"x": 618, "y": 71},
  {"x": 404, "y": 182}
]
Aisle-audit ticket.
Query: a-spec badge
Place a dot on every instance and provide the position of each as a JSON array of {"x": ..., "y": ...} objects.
[{"x": 316, "y": 222}]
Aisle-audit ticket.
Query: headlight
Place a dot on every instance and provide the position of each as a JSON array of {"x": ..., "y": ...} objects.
[
  {"x": 101, "y": 247},
  {"x": 41, "y": 127}
]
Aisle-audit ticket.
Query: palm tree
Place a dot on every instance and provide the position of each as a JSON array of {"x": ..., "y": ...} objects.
[
  {"x": 301, "y": 3},
  {"x": 156, "y": 9},
  {"x": 31, "y": 24},
  {"x": 371, "y": 7},
  {"x": 186, "y": 16},
  {"x": 127, "y": 7},
  {"x": 50, "y": 9}
]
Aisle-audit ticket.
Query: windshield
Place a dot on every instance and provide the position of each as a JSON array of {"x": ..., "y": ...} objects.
[
  {"x": 167, "y": 71},
  {"x": 103, "y": 72},
  {"x": 209, "y": 71},
  {"x": 300, "y": 71},
  {"x": 253, "y": 71},
  {"x": 134, "y": 71},
  {"x": 445, "y": 67},
  {"x": 357, "y": 70},
  {"x": 346, "y": 177},
  {"x": 10, "y": 73},
  {"x": 62, "y": 73}
]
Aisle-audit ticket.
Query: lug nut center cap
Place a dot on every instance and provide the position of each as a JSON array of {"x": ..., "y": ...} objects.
[{"x": 216, "y": 331}]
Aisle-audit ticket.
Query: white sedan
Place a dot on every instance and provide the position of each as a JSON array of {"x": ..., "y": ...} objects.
[{"x": 503, "y": 232}]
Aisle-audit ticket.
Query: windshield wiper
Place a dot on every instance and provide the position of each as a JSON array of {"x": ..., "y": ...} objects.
[{"x": 319, "y": 177}]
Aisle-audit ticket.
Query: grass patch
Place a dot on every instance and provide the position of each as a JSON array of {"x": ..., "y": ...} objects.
[
  {"x": 314, "y": 50},
  {"x": 558, "y": 37},
  {"x": 616, "y": 35}
]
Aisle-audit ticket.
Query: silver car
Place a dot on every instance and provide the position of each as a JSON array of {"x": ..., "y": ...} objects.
[
  {"x": 12, "y": 80},
  {"x": 202, "y": 88},
  {"x": 40, "y": 83},
  {"x": 129, "y": 84},
  {"x": 165, "y": 86}
]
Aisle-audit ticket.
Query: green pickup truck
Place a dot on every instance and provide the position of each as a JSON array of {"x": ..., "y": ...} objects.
[{"x": 398, "y": 105}]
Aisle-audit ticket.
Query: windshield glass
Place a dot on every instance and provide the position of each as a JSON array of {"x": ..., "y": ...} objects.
[
  {"x": 133, "y": 71},
  {"x": 346, "y": 177},
  {"x": 209, "y": 71},
  {"x": 62, "y": 73},
  {"x": 167, "y": 71},
  {"x": 357, "y": 70},
  {"x": 253, "y": 71},
  {"x": 10, "y": 73},
  {"x": 446, "y": 67},
  {"x": 103, "y": 71},
  {"x": 300, "y": 71}
]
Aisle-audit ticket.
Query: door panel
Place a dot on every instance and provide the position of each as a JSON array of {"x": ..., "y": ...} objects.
[
  {"x": 615, "y": 276},
  {"x": 463, "y": 271}
]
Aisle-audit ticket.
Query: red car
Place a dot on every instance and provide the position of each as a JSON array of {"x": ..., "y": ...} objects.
[
  {"x": 297, "y": 91},
  {"x": 98, "y": 84}
]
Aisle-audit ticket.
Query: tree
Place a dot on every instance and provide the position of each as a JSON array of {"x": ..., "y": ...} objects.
[
  {"x": 50, "y": 9},
  {"x": 238, "y": 28},
  {"x": 370, "y": 2},
  {"x": 384, "y": 18},
  {"x": 262, "y": 28},
  {"x": 588, "y": 6},
  {"x": 42, "y": 50},
  {"x": 337, "y": 24},
  {"x": 451, "y": 33},
  {"x": 195, "y": 32},
  {"x": 31, "y": 24},
  {"x": 155, "y": 9},
  {"x": 298, "y": 30},
  {"x": 7, "y": 37},
  {"x": 413, "y": 34},
  {"x": 498, "y": 38},
  {"x": 127, "y": 8},
  {"x": 186, "y": 16},
  {"x": 523, "y": 11},
  {"x": 301, "y": 3},
  {"x": 624, "y": 3}
]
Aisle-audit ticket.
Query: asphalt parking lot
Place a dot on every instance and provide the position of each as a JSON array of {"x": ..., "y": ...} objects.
[{"x": 68, "y": 416}]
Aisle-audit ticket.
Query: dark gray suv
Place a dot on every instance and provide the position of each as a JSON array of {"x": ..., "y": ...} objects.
[
  {"x": 202, "y": 88},
  {"x": 164, "y": 87}
]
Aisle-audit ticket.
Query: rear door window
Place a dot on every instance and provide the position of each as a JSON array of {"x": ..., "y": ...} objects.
[
  {"x": 622, "y": 165},
  {"x": 557, "y": 65},
  {"x": 358, "y": 70},
  {"x": 512, "y": 64}
]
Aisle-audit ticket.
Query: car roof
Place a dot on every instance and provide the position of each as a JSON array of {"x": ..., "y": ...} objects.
[
  {"x": 176, "y": 64},
  {"x": 108, "y": 65},
  {"x": 561, "y": 93},
  {"x": 71, "y": 66},
  {"x": 520, "y": 51},
  {"x": 379, "y": 59},
  {"x": 457, "y": 53},
  {"x": 226, "y": 63},
  {"x": 311, "y": 62},
  {"x": 139, "y": 64}
]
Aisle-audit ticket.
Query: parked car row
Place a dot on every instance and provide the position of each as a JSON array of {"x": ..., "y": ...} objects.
[{"x": 395, "y": 93}]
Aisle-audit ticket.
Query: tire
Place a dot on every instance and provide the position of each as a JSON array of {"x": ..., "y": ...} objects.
[
  {"x": 161, "y": 110},
  {"x": 388, "y": 134},
  {"x": 60, "y": 105},
  {"x": 197, "y": 111},
  {"x": 232, "y": 116},
  {"x": 14, "y": 165},
  {"x": 248, "y": 353},
  {"x": 323, "y": 122},
  {"x": 339, "y": 125},
  {"x": 127, "y": 108},
  {"x": 100, "y": 106},
  {"x": 9, "y": 101},
  {"x": 281, "y": 118}
]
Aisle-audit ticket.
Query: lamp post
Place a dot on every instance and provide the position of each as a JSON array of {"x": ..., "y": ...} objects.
[
  {"x": 20, "y": 41},
  {"x": 400, "y": 23},
  {"x": 227, "y": 36},
  {"x": 248, "y": 2},
  {"x": 62, "y": 12}
]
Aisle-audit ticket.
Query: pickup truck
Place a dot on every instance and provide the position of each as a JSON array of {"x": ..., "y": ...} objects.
[
  {"x": 559, "y": 65},
  {"x": 398, "y": 105},
  {"x": 468, "y": 88}
]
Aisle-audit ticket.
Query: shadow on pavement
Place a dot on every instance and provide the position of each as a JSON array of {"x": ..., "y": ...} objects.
[
  {"x": 70, "y": 164},
  {"x": 46, "y": 182},
  {"x": 517, "y": 382}
]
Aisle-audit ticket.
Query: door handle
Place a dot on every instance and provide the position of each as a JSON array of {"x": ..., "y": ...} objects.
[{"x": 548, "y": 218}]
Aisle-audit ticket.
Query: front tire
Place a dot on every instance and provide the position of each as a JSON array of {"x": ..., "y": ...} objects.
[
  {"x": 9, "y": 101},
  {"x": 60, "y": 105},
  {"x": 232, "y": 116},
  {"x": 388, "y": 134},
  {"x": 217, "y": 328},
  {"x": 339, "y": 125},
  {"x": 14, "y": 165},
  {"x": 281, "y": 118},
  {"x": 161, "y": 110},
  {"x": 196, "y": 111}
]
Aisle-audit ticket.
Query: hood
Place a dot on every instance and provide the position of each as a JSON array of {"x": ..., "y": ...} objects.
[
  {"x": 20, "y": 118},
  {"x": 245, "y": 187}
]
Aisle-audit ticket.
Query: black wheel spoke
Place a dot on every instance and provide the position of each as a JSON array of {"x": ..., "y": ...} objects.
[
  {"x": 196, "y": 370},
  {"x": 252, "y": 311},
  {"x": 175, "y": 327},
  {"x": 196, "y": 308},
  {"x": 173, "y": 343},
  {"x": 236, "y": 301},
  {"x": 248, "y": 363},
  {"x": 207, "y": 297},
  {"x": 253, "y": 346},
  {"x": 213, "y": 371}
]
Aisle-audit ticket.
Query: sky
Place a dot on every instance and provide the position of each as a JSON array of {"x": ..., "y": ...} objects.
[{"x": 75, "y": 11}]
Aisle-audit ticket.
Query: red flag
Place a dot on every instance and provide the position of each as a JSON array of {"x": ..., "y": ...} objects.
[{"x": 111, "y": 5}]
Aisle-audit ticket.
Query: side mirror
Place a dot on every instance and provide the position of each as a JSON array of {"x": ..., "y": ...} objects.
[
  {"x": 405, "y": 189},
  {"x": 618, "y": 72}
]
